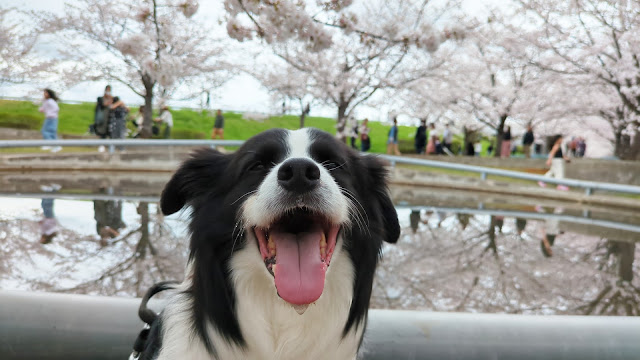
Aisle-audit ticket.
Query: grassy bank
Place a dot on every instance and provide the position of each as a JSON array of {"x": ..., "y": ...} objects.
[{"x": 74, "y": 119}]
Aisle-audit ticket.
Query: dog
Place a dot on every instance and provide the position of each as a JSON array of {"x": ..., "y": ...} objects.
[{"x": 286, "y": 233}]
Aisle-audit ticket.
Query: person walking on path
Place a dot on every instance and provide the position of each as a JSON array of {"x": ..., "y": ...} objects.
[
  {"x": 392, "y": 141},
  {"x": 50, "y": 109},
  {"x": 527, "y": 141},
  {"x": 505, "y": 148},
  {"x": 218, "y": 126},
  {"x": 365, "y": 140},
  {"x": 447, "y": 138},
  {"x": 167, "y": 119},
  {"x": 421, "y": 137},
  {"x": 556, "y": 162}
]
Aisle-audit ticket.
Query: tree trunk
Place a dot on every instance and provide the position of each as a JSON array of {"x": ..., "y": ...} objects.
[
  {"x": 627, "y": 147},
  {"x": 147, "y": 122},
  {"x": 499, "y": 134},
  {"x": 302, "y": 116},
  {"x": 342, "y": 122},
  {"x": 305, "y": 112},
  {"x": 626, "y": 256}
]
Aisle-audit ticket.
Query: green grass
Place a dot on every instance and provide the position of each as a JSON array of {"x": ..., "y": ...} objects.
[{"x": 74, "y": 119}]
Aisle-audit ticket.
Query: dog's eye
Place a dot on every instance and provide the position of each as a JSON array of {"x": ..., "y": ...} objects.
[{"x": 257, "y": 166}]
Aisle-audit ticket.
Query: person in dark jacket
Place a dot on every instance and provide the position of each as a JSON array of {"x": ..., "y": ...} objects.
[
  {"x": 527, "y": 141},
  {"x": 421, "y": 137},
  {"x": 100, "y": 125}
]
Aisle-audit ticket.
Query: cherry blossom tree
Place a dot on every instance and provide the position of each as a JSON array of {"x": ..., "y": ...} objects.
[
  {"x": 153, "y": 47},
  {"x": 598, "y": 39},
  {"x": 357, "y": 67},
  {"x": 18, "y": 62},
  {"x": 311, "y": 22},
  {"x": 287, "y": 84}
]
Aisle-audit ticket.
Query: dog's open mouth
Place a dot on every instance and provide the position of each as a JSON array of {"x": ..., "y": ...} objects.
[{"x": 297, "y": 250}]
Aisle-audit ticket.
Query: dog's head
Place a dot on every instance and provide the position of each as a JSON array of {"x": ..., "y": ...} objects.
[{"x": 293, "y": 194}]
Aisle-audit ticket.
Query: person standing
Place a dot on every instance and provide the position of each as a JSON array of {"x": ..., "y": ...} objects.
[
  {"x": 433, "y": 138},
  {"x": 421, "y": 137},
  {"x": 556, "y": 162},
  {"x": 218, "y": 126},
  {"x": 50, "y": 109},
  {"x": 353, "y": 133},
  {"x": 118, "y": 119},
  {"x": 365, "y": 141},
  {"x": 138, "y": 121},
  {"x": 392, "y": 141},
  {"x": 101, "y": 114},
  {"x": 447, "y": 138},
  {"x": 505, "y": 148},
  {"x": 582, "y": 146},
  {"x": 527, "y": 141},
  {"x": 167, "y": 119}
]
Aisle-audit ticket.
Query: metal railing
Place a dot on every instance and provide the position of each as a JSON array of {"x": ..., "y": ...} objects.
[
  {"x": 585, "y": 219},
  {"x": 112, "y": 144},
  {"x": 52, "y": 326},
  {"x": 588, "y": 186}
]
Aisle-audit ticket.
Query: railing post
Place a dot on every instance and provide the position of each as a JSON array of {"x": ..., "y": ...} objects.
[
  {"x": 112, "y": 149},
  {"x": 483, "y": 175},
  {"x": 588, "y": 191}
]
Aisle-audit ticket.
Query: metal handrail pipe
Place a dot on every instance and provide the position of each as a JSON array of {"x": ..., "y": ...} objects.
[
  {"x": 50, "y": 326},
  {"x": 472, "y": 211},
  {"x": 589, "y": 185},
  {"x": 630, "y": 189},
  {"x": 528, "y": 215},
  {"x": 118, "y": 142}
]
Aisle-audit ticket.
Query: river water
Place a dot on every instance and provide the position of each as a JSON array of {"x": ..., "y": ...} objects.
[{"x": 458, "y": 251}]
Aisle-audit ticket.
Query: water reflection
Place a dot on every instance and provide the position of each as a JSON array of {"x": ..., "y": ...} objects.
[
  {"x": 124, "y": 261},
  {"x": 464, "y": 252},
  {"x": 496, "y": 263}
]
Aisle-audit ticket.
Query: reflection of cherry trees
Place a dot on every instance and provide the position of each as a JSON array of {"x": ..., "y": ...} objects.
[
  {"x": 471, "y": 265},
  {"x": 619, "y": 296},
  {"x": 128, "y": 265}
]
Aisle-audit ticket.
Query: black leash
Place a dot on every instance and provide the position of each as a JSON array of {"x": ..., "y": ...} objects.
[{"x": 148, "y": 316}]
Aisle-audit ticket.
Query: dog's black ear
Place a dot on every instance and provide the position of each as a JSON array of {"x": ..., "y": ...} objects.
[
  {"x": 378, "y": 188},
  {"x": 195, "y": 176}
]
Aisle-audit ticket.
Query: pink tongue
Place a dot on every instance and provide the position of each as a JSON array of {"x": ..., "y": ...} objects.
[{"x": 299, "y": 273}]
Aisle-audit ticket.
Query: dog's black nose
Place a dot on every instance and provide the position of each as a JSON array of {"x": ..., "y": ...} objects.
[{"x": 299, "y": 175}]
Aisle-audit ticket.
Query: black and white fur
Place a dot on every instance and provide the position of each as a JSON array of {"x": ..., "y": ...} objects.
[{"x": 228, "y": 306}]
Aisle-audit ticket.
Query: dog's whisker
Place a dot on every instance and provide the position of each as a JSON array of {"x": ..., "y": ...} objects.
[
  {"x": 337, "y": 167},
  {"x": 239, "y": 235},
  {"x": 247, "y": 194}
]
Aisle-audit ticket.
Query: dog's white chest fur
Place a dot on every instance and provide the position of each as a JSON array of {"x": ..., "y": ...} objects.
[{"x": 271, "y": 327}]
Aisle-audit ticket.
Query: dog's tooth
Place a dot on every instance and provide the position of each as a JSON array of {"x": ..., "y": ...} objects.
[
  {"x": 323, "y": 245},
  {"x": 271, "y": 245},
  {"x": 300, "y": 309}
]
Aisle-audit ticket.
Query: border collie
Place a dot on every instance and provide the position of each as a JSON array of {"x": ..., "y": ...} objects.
[{"x": 285, "y": 237}]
